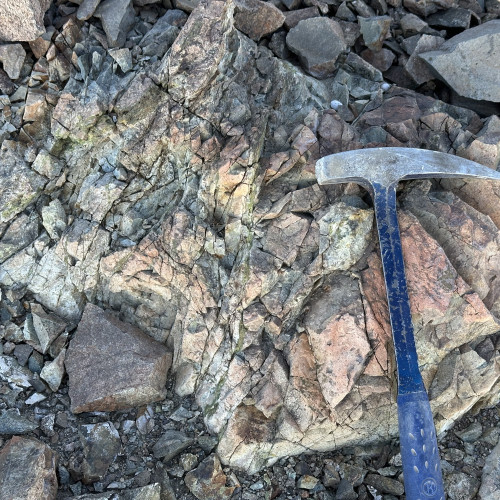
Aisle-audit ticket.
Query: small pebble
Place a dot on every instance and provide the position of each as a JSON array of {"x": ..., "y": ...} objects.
[{"x": 335, "y": 105}]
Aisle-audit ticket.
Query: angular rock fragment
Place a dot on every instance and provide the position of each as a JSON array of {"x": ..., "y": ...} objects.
[
  {"x": 47, "y": 327},
  {"x": 12, "y": 58},
  {"x": 452, "y": 18},
  {"x": 19, "y": 185},
  {"x": 22, "y": 20},
  {"x": 12, "y": 422},
  {"x": 101, "y": 444},
  {"x": 22, "y": 231},
  {"x": 117, "y": 17},
  {"x": 86, "y": 9},
  {"x": 317, "y": 42},
  {"x": 293, "y": 17},
  {"x": 171, "y": 444},
  {"x": 470, "y": 239},
  {"x": 160, "y": 38},
  {"x": 335, "y": 326},
  {"x": 208, "y": 481},
  {"x": 470, "y": 62},
  {"x": 426, "y": 7},
  {"x": 382, "y": 59},
  {"x": 123, "y": 58},
  {"x": 490, "y": 487},
  {"x": 485, "y": 148},
  {"x": 256, "y": 18},
  {"x": 11, "y": 372},
  {"x": 375, "y": 30},
  {"x": 344, "y": 236},
  {"x": 27, "y": 470},
  {"x": 211, "y": 22},
  {"x": 415, "y": 67},
  {"x": 54, "y": 219},
  {"x": 113, "y": 365},
  {"x": 149, "y": 492},
  {"x": 53, "y": 372}
]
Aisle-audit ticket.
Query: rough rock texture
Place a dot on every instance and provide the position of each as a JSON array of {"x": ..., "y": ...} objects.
[
  {"x": 27, "y": 470},
  {"x": 318, "y": 42},
  {"x": 22, "y": 20},
  {"x": 12, "y": 58},
  {"x": 171, "y": 181},
  {"x": 112, "y": 365},
  {"x": 208, "y": 481},
  {"x": 490, "y": 482},
  {"x": 469, "y": 62},
  {"x": 256, "y": 18}
]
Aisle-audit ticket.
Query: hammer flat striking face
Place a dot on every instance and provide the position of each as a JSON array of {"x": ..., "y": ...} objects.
[{"x": 379, "y": 170}]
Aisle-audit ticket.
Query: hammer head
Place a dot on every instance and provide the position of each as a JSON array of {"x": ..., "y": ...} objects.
[{"x": 387, "y": 166}]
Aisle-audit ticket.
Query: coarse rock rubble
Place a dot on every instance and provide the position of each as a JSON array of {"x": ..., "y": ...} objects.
[{"x": 161, "y": 224}]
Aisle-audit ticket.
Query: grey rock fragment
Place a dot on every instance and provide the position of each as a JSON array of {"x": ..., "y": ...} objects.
[
  {"x": 256, "y": 18},
  {"x": 171, "y": 444},
  {"x": 13, "y": 373},
  {"x": 54, "y": 219},
  {"x": 345, "y": 491},
  {"x": 27, "y": 470},
  {"x": 47, "y": 327},
  {"x": 490, "y": 480},
  {"x": 452, "y": 18},
  {"x": 186, "y": 5},
  {"x": 415, "y": 67},
  {"x": 470, "y": 62},
  {"x": 149, "y": 492},
  {"x": 123, "y": 58},
  {"x": 160, "y": 38},
  {"x": 117, "y": 17},
  {"x": 19, "y": 185},
  {"x": 86, "y": 9},
  {"x": 375, "y": 30},
  {"x": 22, "y": 231},
  {"x": 6, "y": 84},
  {"x": 12, "y": 57},
  {"x": 460, "y": 486},
  {"x": 101, "y": 444},
  {"x": 22, "y": 353},
  {"x": 53, "y": 372},
  {"x": 381, "y": 59},
  {"x": 412, "y": 25},
  {"x": 385, "y": 484},
  {"x": 317, "y": 42},
  {"x": 293, "y": 17},
  {"x": 12, "y": 422},
  {"x": 426, "y": 7},
  {"x": 345, "y": 13},
  {"x": 471, "y": 433},
  {"x": 113, "y": 365},
  {"x": 22, "y": 20}
]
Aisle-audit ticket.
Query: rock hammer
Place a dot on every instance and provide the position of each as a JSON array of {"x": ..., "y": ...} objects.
[{"x": 379, "y": 170}]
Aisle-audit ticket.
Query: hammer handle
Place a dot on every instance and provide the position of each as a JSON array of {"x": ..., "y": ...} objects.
[{"x": 419, "y": 451}]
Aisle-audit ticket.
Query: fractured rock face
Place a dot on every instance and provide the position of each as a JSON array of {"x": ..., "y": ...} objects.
[
  {"x": 469, "y": 62},
  {"x": 27, "y": 470},
  {"x": 112, "y": 365},
  {"x": 22, "y": 20},
  {"x": 317, "y": 42}
]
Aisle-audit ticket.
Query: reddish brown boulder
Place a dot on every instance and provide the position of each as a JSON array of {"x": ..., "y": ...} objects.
[{"x": 113, "y": 365}]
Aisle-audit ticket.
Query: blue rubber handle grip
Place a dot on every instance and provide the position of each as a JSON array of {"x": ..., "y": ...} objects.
[{"x": 419, "y": 449}]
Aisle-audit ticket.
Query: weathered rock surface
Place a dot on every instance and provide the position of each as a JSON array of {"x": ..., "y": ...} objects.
[
  {"x": 317, "y": 42},
  {"x": 112, "y": 365},
  {"x": 208, "y": 481},
  {"x": 256, "y": 18},
  {"x": 27, "y": 470},
  {"x": 22, "y": 20},
  {"x": 469, "y": 62},
  {"x": 12, "y": 422},
  {"x": 101, "y": 444},
  {"x": 490, "y": 483},
  {"x": 12, "y": 58},
  {"x": 117, "y": 18}
]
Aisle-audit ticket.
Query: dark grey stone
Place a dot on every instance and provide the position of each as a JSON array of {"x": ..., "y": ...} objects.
[
  {"x": 22, "y": 352},
  {"x": 345, "y": 491},
  {"x": 171, "y": 444},
  {"x": 318, "y": 42},
  {"x": 12, "y": 422},
  {"x": 451, "y": 18},
  {"x": 385, "y": 484}
]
